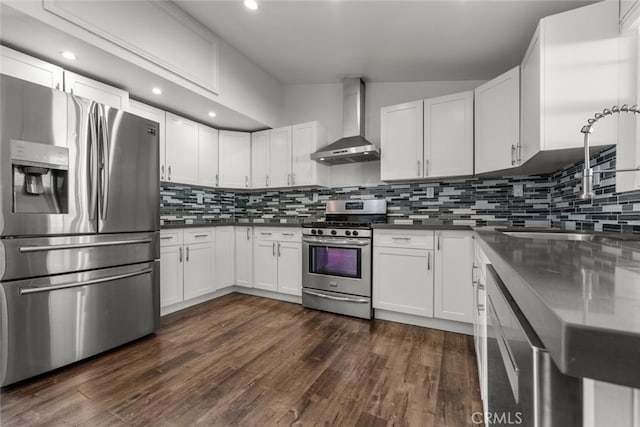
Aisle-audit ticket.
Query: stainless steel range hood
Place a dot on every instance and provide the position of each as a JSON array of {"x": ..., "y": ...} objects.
[{"x": 352, "y": 147}]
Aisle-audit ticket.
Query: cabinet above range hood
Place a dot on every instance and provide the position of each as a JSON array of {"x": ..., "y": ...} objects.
[{"x": 352, "y": 147}]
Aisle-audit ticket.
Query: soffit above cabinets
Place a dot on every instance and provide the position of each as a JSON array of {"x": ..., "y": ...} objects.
[
  {"x": 387, "y": 41},
  {"x": 37, "y": 38}
]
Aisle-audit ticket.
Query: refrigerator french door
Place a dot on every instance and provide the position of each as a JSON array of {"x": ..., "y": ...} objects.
[{"x": 79, "y": 221}]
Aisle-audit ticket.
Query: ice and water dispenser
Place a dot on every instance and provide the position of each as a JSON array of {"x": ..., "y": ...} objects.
[{"x": 40, "y": 178}]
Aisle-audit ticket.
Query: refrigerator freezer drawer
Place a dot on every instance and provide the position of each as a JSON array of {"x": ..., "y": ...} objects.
[
  {"x": 43, "y": 256},
  {"x": 53, "y": 321}
]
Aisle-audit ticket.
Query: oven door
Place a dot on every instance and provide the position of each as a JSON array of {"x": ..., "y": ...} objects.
[{"x": 337, "y": 264}]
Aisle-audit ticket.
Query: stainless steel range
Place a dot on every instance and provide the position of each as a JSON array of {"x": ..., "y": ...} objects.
[{"x": 336, "y": 256}]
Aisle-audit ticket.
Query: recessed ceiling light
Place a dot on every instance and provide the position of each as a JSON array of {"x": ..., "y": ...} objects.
[
  {"x": 212, "y": 114},
  {"x": 157, "y": 91},
  {"x": 251, "y": 4},
  {"x": 69, "y": 55}
]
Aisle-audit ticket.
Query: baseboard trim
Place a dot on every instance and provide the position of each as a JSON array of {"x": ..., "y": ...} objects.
[
  {"x": 267, "y": 294},
  {"x": 425, "y": 322},
  {"x": 195, "y": 301}
]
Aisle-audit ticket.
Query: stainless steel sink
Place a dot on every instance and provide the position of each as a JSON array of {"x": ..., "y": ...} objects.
[{"x": 551, "y": 235}]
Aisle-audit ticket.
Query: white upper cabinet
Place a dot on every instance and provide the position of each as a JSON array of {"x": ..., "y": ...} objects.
[
  {"x": 184, "y": 46},
  {"x": 427, "y": 139},
  {"x": 157, "y": 115},
  {"x": 235, "y": 159},
  {"x": 448, "y": 135},
  {"x": 307, "y": 138},
  {"x": 280, "y": 157},
  {"x": 497, "y": 123},
  {"x": 181, "y": 150},
  {"x": 569, "y": 73},
  {"x": 260, "y": 159},
  {"x": 25, "y": 67},
  {"x": 207, "y": 156},
  {"x": 401, "y": 141},
  {"x": 96, "y": 91}
]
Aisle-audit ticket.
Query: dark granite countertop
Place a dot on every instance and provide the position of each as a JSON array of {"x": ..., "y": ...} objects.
[
  {"x": 223, "y": 223},
  {"x": 582, "y": 298},
  {"x": 196, "y": 225},
  {"x": 421, "y": 227}
]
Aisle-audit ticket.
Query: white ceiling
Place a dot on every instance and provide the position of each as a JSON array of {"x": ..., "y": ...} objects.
[{"x": 385, "y": 41}]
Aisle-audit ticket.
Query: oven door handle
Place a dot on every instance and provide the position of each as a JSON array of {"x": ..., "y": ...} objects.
[
  {"x": 340, "y": 242},
  {"x": 331, "y": 297}
]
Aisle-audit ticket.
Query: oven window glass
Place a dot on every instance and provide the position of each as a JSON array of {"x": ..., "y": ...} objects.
[{"x": 344, "y": 262}]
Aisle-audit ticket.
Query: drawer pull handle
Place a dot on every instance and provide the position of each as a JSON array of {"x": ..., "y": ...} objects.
[{"x": 201, "y": 235}]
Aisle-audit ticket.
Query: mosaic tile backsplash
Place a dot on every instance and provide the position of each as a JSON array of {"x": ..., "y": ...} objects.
[{"x": 550, "y": 200}]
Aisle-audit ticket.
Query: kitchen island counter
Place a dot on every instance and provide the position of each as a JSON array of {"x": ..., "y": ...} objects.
[{"x": 582, "y": 298}]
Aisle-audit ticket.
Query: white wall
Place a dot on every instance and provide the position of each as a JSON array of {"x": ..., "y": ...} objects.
[
  {"x": 247, "y": 88},
  {"x": 323, "y": 102}
]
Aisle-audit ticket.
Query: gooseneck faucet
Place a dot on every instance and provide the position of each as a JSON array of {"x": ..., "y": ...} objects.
[{"x": 588, "y": 172}]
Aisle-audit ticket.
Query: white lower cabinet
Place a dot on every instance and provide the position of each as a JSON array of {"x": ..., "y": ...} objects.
[
  {"x": 479, "y": 283},
  {"x": 171, "y": 278},
  {"x": 277, "y": 260},
  {"x": 224, "y": 257},
  {"x": 186, "y": 264},
  {"x": 403, "y": 280},
  {"x": 420, "y": 273},
  {"x": 453, "y": 296},
  {"x": 198, "y": 269},
  {"x": 244, "y": 256}
]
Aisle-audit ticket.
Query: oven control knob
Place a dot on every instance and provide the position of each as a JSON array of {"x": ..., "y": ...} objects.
[
  {"x": 334, "y": 232},
  {"x": 319, "y": 231},
  {"x": 348, "y": 233},
  {"x": 313, "y": 231},
  {"x": 355, "y": 233}
]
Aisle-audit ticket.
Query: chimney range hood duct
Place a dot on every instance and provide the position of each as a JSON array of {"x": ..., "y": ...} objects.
[{"x": 352, "y": 147}]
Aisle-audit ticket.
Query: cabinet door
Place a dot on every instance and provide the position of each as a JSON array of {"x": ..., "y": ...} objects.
[
  {"x": 235, "y": 159},
  {"x": 530, "y": 112},
  {"x": 171, "y": 284},
  {"x": 497, "y": 122},
  {"x": 414, "y": 293},
  {"x": 401, "y": 141},
  {"x": 207, "y": 156},
  {"x": 181, "y": 150},
  {"x": 453, "y": 294},
  {"x": 265, "y": 265},
  {"x": 306, "y": 139},
  {"x": 225, "y": 253},
  {"x": 280, "y": 157},
  {"x": 94, "y": 90},
  {"x": 157, "y": 115},
  {"x": 260, "y": 159},
  {"x": 448, "y": 135},
  {"x": 17, "y": 64},
  {"x": 244, "y": 256},
  {"x": 289, "y": 267},
  {"x": 198, "y": 270}
]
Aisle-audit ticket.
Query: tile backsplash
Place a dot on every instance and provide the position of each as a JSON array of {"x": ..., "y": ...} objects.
[{"x": 532, "y": 201}]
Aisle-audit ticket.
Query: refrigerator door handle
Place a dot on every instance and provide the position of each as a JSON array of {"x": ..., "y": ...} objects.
[
  {"x": 27, "y": 291},
  {"x": 93, "y": 162},
  {"x": 104, "y": 163},
  {"x": 26, "y": 249}
]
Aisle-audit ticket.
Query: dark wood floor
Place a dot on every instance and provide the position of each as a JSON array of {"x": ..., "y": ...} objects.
[{"x": 243, "y": 360}]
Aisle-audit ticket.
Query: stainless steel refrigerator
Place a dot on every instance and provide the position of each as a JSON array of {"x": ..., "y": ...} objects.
[{"x": 79, "y": 221}]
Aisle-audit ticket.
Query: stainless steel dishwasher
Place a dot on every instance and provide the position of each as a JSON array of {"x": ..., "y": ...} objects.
[{"x": 524, "y": 385}]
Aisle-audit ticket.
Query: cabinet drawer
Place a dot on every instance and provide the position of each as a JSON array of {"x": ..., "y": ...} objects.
[
  {"x": 199, "y": 235},
  {"x": 171, "y": 237},
  {"x": 290, "y": 235},
  {"x": 417, "y": 239}
]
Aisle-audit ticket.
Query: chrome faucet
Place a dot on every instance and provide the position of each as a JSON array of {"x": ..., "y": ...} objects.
[{"x": 588, "y": 172}]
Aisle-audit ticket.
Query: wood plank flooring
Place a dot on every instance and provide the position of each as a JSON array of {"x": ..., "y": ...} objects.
[{"x": 249, "y": 361}]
